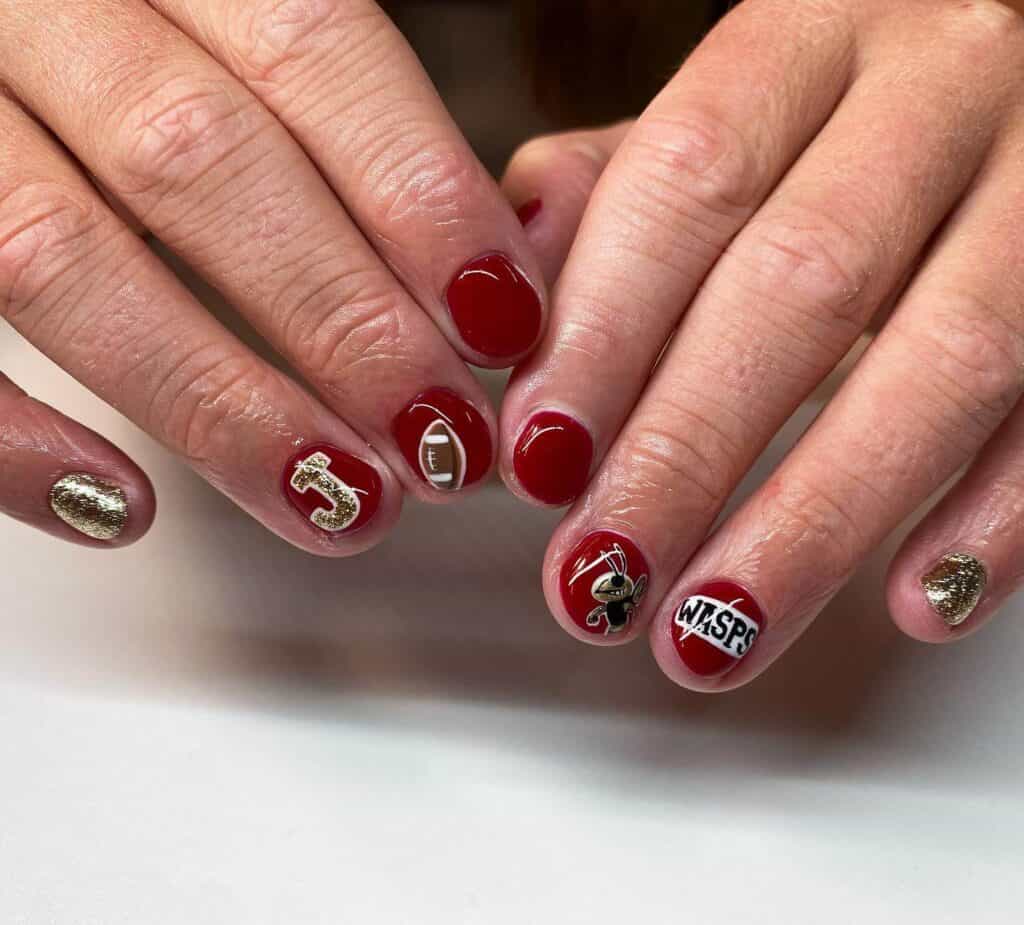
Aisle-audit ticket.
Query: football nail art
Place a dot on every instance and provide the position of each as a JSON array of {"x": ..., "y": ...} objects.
[
  {"x": 334, "y": 490},
  {"x": 954, "y": 586},
  {"x": 715, "y": 627},
  {"x": 552, "y": 457},
  {"x": 494, "y": 307},
  {"x": 92, "y": 506},
  {"x": 603, "y": 582},
  {"x": 444, "y": 439}
]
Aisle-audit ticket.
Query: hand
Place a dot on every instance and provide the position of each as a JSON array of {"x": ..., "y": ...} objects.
[
  {"x": 294, "y": 153},
  {"x": 812, "y": 165}
]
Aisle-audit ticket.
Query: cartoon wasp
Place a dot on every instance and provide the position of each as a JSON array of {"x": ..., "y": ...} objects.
[{"x": 617, "y": 593}]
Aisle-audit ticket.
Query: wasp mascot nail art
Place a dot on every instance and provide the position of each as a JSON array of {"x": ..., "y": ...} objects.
[{"x": 603, "y": 584}]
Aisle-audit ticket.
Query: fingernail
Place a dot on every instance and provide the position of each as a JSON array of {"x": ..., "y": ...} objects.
[
  {"x": 332, "y": 489},
  {"x": 715, "y": 627},
  {"x": 552, "y": 457},
  {"x": 494, "y": 307},
  {"x": 444, "y": 439},
  {"x": 603, "y": 582},
  {"x": 92, "y": 506},
  {"x": 954, "y": 586},
  {"x": 528, "y": 211}
]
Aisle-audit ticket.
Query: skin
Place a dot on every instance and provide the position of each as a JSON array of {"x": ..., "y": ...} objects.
[
  {"x": 296, "y": 156},
  {"x": 875, "y": 169}
]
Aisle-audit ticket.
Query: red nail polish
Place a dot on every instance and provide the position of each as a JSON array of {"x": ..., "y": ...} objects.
[
  {"x": 445, "y": 440},
  {"x": 603, "y": 582},
  {"x": 715, "y": 627},
  {"x": 552, "y": 457},
  {"x": 334, "y": 490},
  {"x": 494, "y": 307},
  {"x": 528, "y": 211}
]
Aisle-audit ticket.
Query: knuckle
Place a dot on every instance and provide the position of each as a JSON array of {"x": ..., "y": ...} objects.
[
  {"x": 272, "y": 40},
  {"x": 812, "y": 264},
  {"x": 171, "y": 136},
  {"x": 363, "y": 341},
  {"x": 45, "y": 231},
  {"x": 419, "y": 179},
  {"x": 676, "y": 449},
  {"x": 810, "y": 518},
  {"x": 970, "y": 357},
  {"x": 722, "y": 170},
  {"x": 200, "y": 405}
]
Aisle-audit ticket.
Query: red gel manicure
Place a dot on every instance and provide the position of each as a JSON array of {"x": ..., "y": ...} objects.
[
  {"x": 528, "y": 211},
  {"x": 333, "y": 490},
  {"x": 603, "y": 581},
  {"x": 444, "y": 439},
  {"x": 494, "y": 307},
  {"x": 715, "y": 627},
  {"x": 552, "y": 457}
]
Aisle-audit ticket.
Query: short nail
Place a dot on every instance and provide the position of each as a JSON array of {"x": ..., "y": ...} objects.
[
  {"x": 715, "y": 627},
  {"x": 92, "y": 506},
  {"x": 494, "y": 307},
  {"x": 528, "y": 211},
  {"x": 335, "y": 491},
  {"x": 444, "y": 439},
  {"x": 603, "y": 581},
  {"x": 552, "y": 457},
  {"x": 954, "y": 586}
]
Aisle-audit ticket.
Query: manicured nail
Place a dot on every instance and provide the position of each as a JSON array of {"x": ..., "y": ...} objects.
[
  {"x": 552, "y": 457},
  {"x": 528, "y": 211},
  {"x": 954, "y": 586},
  {"x": 603, "y": 582},
  {"x": 334, "y": 490},
  {"x": 494, "y": 307},
  {"x": 715, "y": 627},
  {"x": 90, "y": 505},
  {"x": 444, "y": 439}
]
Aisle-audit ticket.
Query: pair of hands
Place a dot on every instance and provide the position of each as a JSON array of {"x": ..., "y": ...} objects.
[{"x": 814, "y": 163}]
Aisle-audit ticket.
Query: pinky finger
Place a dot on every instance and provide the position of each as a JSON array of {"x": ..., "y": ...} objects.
[
  {"x": 967, "y": 556},
  {"x": 61, "y": 477},
  {"x": 550, "y": 180}
]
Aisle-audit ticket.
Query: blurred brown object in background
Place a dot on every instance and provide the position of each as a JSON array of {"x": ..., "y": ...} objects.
[{"x": 510, "y": 70}]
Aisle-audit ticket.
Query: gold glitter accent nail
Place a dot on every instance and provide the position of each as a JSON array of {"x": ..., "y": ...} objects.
[
  {"x": 954, "y": 586},
  {"x": 90, "y": 505}
]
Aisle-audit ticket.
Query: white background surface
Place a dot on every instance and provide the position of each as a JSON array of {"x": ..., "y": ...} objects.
[{"x": 211, "y": 727}]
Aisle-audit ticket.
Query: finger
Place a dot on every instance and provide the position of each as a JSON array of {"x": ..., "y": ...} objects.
[
  {"x": 350, "y": 89},
  {"x": 687, "y": 177},
  {"x": 61, "y": 477},
  {"x": 935, "y": 385},
  {"x": 87, "y": 292},
  {"x": 783, "y": 305},
  {"x": 221, "y": 181},
  {"x": 551, "y": 179},
  {"x": 965, "y": 558}
]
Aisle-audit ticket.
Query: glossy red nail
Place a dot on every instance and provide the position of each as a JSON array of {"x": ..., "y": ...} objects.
[
  {"x": 334, "y": 490},
  {"x": 715, "y": 627},
  {"x": 528, "y": 211},
  {"x": 552, "y": 457},
  {"x": 444, "y": 439},
  {"x": 494, "y": 307},
  {"x": 603, "y": 582}
]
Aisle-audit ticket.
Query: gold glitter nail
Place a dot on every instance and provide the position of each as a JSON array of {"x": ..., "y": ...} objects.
[
  {"x": 90, "y": 505},
  {"x": 954, "y": 586}
]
